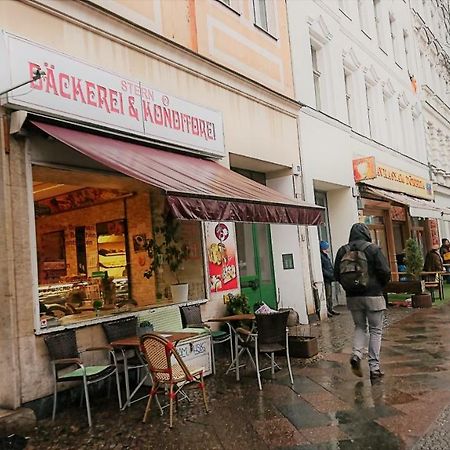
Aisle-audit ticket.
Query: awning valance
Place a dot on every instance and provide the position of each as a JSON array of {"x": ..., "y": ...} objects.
[
  {"x": 196, "y": 189},
  {"x": 417, "y": 206}
]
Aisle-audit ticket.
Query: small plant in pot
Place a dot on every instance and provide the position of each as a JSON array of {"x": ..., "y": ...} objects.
[
  {"x": 144, "y": 327},
  {"x": 165, "y": 249},
  {"x": 97, "y": 305},
  {"x": 414, "y": 267}
]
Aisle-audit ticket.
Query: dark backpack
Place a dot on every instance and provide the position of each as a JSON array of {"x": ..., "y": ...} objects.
[{"x": 354, "y": 269}]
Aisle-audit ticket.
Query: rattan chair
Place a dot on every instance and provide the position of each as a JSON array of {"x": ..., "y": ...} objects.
[
  {"x": 64, "y": 354},
  {"x": 127, "y": 359},
  {"x": 271, "y": 336},
  {"x": 160, "y": 354},
  {"x": 191, "y": 316}
]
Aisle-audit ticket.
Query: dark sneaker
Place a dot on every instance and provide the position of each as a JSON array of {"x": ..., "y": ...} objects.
[
  {"x": 335, "y": 313},
  {"x": 376, "y": 374},
  {"x": 355, "y": 362}
]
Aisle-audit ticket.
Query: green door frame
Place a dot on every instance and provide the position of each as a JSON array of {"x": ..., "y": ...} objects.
[{"x": 252, "y": 285}]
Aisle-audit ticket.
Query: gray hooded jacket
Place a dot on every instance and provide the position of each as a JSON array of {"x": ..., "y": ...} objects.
[{"x": 379, "y": 271}]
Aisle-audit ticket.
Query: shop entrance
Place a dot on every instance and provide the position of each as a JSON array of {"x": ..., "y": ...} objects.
[{"x": 255, "y": 263}]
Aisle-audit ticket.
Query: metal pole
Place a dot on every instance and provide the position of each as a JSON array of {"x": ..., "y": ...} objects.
[{"x": 38, "y": 74}]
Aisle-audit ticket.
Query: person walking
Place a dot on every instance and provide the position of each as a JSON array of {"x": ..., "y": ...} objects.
[
  {"x": 363, "y": 271},
  {"x": 328, "y": 277}
]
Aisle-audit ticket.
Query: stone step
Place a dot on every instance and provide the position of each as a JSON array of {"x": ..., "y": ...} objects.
[{"x": 20, "y": 421}]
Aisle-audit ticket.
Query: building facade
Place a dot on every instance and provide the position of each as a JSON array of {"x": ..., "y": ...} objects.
[
  {"x": 362, "y": 139},
  {"x": 432, "y": 36},
  {"x": 208, "y": 85}
]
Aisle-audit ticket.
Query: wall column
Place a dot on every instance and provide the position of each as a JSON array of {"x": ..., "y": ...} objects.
[{"x": 10, "y": 368}]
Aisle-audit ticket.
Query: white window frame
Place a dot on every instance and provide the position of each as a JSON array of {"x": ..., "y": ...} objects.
[
  {"x": 316, "y": 73},
  {"x": 364, "y": 19},
  {"x": 231, "y": 4},
  {"x": 394, "y": 37},
  {"x": 268, "y": 24},
  {"x": 370, "y": 109},
  {"x": 379, "y": 29},
  {"x": 404, "y": 123},
  {"x": 349, "y": 96}
]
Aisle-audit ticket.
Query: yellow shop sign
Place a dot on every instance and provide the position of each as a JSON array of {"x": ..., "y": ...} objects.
[{"x": 373, "y": 173}]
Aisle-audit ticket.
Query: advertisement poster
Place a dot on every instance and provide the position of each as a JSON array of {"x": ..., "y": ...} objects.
[{"x": 222, "y": 256}]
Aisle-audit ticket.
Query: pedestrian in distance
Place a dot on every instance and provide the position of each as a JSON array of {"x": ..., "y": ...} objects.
[
  {"x": 433, "y": 263},
  {"x": 328, "y": 277},
  {"x": 433, "y": 260},
  {"x": 363, "y": 271},
  {"x": 445, "y": 253},
  {"x": 445, "y": 250}
]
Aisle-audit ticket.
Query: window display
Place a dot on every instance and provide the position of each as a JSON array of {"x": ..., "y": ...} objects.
[{"x": 90, "y": 239}]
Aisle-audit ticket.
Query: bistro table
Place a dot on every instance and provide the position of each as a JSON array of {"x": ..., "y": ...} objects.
[
  {"x": 230, "y": 319},
  {"x": 134, "y": 342}
]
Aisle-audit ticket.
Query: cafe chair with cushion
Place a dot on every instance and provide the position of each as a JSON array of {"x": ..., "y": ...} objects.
[
  {"x": 127, "y": 359},
  {"x": 271, "y": 335},
  {"x": 168, "y": 370},
  {"x": 67, "y": 365},
  {"x": 191, "y": 316}
]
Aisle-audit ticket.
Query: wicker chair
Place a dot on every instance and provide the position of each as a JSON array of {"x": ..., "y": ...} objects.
[
  {"x": 64, "y": 354},
  {"x": 127, "y": 359},
  {"x": 191, "y": 316},
  {"x": 271, "y": 336},
  {"x": 159, "y": 353}
]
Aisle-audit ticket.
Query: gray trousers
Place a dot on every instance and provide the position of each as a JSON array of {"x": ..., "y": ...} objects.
[
  {"x": 365, "y": 317},
  {"x": 329, "y": 295}
]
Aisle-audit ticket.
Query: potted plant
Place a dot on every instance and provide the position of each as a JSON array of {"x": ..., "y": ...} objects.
[
  {"x": 237, "y": 304},
  {"x": 97, "y": 305},
  {"x": 144, "y": 327},
  {"x": 414, "y": 267},
  {"x": 165, "y": 249}
]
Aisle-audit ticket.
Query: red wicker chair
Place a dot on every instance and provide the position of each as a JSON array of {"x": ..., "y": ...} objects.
[{"x": 160, "y": 353}]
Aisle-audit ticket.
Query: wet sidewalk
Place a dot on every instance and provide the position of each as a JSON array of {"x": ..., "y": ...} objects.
[{"x": 327, "y": 408}]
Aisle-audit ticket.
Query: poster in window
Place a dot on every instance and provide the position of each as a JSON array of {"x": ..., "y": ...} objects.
[{"x": 221, "y": 249}]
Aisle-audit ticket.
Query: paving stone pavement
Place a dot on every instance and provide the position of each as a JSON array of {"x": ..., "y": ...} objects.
[{"x": 327, "y": 408}]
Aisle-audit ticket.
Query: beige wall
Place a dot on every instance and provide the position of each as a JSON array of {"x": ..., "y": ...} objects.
[
  {"x": 225, "y": 35},
  {"x": 259, "y": 123}
]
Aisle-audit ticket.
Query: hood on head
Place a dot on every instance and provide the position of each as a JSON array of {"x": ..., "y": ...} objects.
[{"x": 360, "y": 232}]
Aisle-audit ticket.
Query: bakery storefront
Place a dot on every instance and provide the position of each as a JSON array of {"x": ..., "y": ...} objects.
[
  {"x": 105, "y": 171},
  {"x": 395, "y": 205}
]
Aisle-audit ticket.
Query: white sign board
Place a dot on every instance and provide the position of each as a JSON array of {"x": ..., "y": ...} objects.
[{"x": 76, "y": 90}]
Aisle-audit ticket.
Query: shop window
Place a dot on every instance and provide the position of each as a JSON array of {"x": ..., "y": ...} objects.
[{"x": 90, "y": 240}]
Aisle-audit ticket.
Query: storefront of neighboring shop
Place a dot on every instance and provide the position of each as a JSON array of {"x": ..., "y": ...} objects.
[
  {"x": 98, "y": 164},
  {"x": 396, "y": 205}
]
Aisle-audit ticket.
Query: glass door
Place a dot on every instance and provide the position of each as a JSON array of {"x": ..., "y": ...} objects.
[{"x": 255, "y": 263}]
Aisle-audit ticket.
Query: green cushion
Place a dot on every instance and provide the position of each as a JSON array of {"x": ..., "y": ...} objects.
[
  {"x": 219, "y": 334},
  {"x": 195, "y": 330},
  {"x": 90, "y": 371}
]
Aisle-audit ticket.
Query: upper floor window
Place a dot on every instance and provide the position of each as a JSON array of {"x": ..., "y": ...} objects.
[
  {"x": 261, "y": 14},
  {"x": 393, "y": 30},
  {"x": 378, "y": 22},
  {"x": 370, "y": 110},
  {"x": 408, "y": 52},
  {"x": 363, "y": 15},
  {"x": 388, "y": 119},
  {"x": 349, "y": 100},
  {"x": 316, "y": 76}
]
